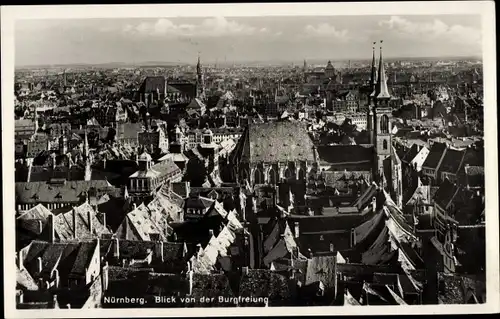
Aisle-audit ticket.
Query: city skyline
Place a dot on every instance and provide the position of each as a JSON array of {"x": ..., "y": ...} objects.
[{"x": 243, "y": 39}]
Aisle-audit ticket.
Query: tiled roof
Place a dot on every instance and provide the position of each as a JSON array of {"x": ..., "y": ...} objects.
[
  {"x": 83, "y": 258},
  {"x": 451, "y": 161},
  {"x": 24, "y": 280},
  {"x": 144, "y": 222},
  {"x": 363, "y": 231},
  {"x": 435, "y": 154},
  {"x": 326, "y": 223},
  {"x": 39, "y": 212},
  {"x": 475, "y": 176},
  {"x": 474, "y": 157},
  {"x": 128, "y": 130},
  {"x": 198, "y": 202},
  {"x": 283, "y": 246},
  {"x": 410, "y": 155},
  {"x": 205, "y": 260},
  {"x": 340, "y": 154},
  {"x": 60, "y": 192},
  {"x": 279, "y": 141},
  {"x": 153, "y": 84},
  {"x": 163, "y": 168},
  {"x": 185, "y": 87},
  {"x": 349, "y": 300},
  {"x": 421, "y": 194},
  {"x": 321, "y": 268},
  {"x": 445, "y": 194},
  {"x": 380, "y": 251},
  {"x": 65, "y": 229},
  {"x": 68, "y": 258}
]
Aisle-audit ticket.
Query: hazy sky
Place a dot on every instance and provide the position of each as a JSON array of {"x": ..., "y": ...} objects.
[{"x": 243, "y": 38}]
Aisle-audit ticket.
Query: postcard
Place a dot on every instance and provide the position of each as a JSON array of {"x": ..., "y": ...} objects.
[{"x": 250, "y": 159}]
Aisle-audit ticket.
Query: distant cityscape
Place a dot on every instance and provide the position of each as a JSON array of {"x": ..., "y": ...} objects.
[
  {"x": 313, "y": 183},
  {"x": 318, "y": 62}
]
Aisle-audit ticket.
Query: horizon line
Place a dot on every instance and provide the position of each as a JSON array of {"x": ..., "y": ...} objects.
[{"x": 242, "y": 61}]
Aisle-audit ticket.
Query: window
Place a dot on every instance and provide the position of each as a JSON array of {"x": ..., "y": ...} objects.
[
  {"x": 384, "y": 124},
  {"x": 385, "y": 144},
  {"x": 272, "y": 177},
  {"x": 258, "y": 177}
]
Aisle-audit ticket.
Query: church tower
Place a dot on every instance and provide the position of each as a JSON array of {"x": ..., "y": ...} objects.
[
  {"x": 200, "y": 84},
  {"x": 370, "y": 99},
  {"x": 382, "y": 113}
]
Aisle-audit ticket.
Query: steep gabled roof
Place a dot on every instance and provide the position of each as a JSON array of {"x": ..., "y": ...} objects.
[
  {"x": 452, "y": 161},
  {"x": 445, "y": 194},
  {"x": 437, "y": 151}
]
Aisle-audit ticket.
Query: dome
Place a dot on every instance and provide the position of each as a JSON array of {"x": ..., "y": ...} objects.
[
  {"x": 208, "y": 132},
  {"x": 145, "y": 157}
]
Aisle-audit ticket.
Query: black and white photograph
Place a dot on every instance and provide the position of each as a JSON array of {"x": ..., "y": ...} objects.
[{"x": 182, "y": 157}]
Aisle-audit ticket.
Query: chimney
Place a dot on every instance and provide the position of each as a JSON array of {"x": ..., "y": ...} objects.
[
  {"x": 297, "y": 229},
  {"x": 20, "y": 299},
  {"x": 211, "y": 233},
  {"x": 75, "y": 231},
  {"x": 40, "y": 226},
  {"x": 374, "y": 204},
  {"x": 39, "y": 259},
  {"x": 188, "y": 266},
  {"x": 310, "y": 253},
  {"x": 91, "y": 225},
  {"x": 332, "y": 248},
  {"x": 244, "y": 270},
  {"x": 117, "y": 248}
]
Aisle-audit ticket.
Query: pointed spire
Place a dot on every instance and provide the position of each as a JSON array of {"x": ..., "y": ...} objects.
[
  {"x": 382, "y": 92},
  {"x": 198, "y": 65},
  {"x": 373, "y": 76}
]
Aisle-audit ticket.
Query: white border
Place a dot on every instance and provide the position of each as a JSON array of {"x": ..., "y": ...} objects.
[{"x": 484, "y": 8}]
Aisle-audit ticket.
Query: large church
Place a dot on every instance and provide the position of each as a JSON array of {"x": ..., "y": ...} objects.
[{"x": 283, "y": 152}]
